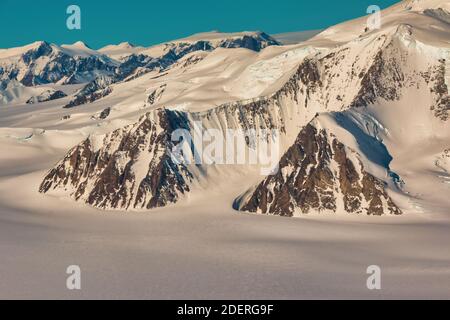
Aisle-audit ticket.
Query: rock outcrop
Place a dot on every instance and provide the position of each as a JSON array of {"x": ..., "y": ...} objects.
[
  {"x": 319, "y": 174},
  {"x": 130, "y": 168}
]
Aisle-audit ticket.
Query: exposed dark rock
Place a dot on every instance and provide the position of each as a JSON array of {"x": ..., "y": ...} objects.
[
  {"x": 131, "y": 169},
  {"x": 439, "y": 89},
  {"x": 48, "y": 95},
  {"x": 156, "y": 95},
  {"x": 255, "y": 43},
  {"x": 43, "y": 49},
  {"x": 190, "y": 61},
  {"x": 102, "y": 115},
  {"x": 383, "y": 79},
  {"x": 318, "y": 173},
  {"x": 314, "y": 173}
]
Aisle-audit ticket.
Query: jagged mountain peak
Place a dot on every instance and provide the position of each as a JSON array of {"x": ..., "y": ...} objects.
[
  {"x": 44, "y": 63},
  {"x": 18, "y": 51},
  {"x": 217, "y": 35}
]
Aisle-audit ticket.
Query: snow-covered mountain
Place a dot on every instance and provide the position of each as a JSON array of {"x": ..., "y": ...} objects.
[
  {"x": 206, "y": 41},
  {"x": 403, "y": 87},
  {"x": 319, "y": 173},
  {"x": 129, "y": 167},
  {"x": 352, "y": 106},
  {"x": 43, "y": 63}
]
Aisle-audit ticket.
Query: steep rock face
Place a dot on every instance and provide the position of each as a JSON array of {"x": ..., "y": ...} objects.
[
  {"x": 383, "y": 68},
  {"x": 436, "y": 77},
  {"x": 128, "y": 168},
  {"x": 288, "y": 109},
  {"x": 190, "y": 60},
  {"x": 318, "y": 173},
  {"x": 131, "y": 63},
  {"x": 107, "y": 177}
]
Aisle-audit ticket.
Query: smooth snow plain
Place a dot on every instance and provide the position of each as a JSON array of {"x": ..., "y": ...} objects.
[{"x": 202, "y": 248}]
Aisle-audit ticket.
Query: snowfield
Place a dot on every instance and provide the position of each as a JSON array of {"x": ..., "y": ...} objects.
[
  {"x": 84, "y": 151},
  {"x": 203, "y": 249}
]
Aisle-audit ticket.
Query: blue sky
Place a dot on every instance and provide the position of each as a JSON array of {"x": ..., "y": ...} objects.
[{"x": 146, "y": 22}]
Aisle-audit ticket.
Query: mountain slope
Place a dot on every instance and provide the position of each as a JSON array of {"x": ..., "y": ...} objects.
[
  {"x": 319, "y": 173},
  {"x": 128, "y": 168},
  {"x": 44, "y": 63}
]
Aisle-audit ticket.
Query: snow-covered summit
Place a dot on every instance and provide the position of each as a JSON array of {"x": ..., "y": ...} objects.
[
  {"x": 430, "y": 18},
  {"x": 18, "y": 51},
  {"x": 422, "y": 5}
]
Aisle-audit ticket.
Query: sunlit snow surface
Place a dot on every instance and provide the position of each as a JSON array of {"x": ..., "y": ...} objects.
[{"x": 201, "y": 247}]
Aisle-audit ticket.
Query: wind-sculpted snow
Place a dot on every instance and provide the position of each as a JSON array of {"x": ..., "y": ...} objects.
[{"x": 441, "y": 105}]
